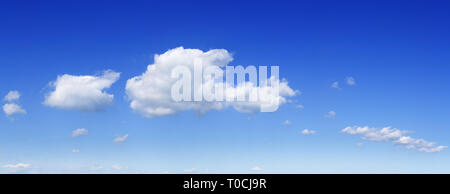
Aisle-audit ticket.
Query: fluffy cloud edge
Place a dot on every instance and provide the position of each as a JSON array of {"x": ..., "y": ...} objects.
[
  {"x": 85, "y": 93},
  {"x": 149, "y": 93},
  {"x": 12, "y": 96},
  {"x": 12, "y": 109}
]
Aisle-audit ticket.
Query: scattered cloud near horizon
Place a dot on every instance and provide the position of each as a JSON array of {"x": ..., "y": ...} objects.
[
  {"x": 256, "y": 168},
  {"x": 118, "y": 167},
  {"x": 393, "y": 135},
  {"x": 16, "y": 166},
  {"x": 191, "y": 170}
]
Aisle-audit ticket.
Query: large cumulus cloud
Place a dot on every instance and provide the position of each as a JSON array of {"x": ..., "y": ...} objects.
[{"x": 150, "y": 93}]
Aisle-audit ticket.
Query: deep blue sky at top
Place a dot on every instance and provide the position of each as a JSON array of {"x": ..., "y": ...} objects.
[{"x": 398, "y": 51}]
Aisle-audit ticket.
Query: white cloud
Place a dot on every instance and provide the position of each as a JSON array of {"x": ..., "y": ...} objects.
[
  {"x": 150, "y": 93},
  {"x": 433, "y": 149},
  {"x": 12, "y": 109},
  {"x": 299, "y": 106},
  {"x": 120, "y": 139},
  {"x": 330, "y": 114},
  {"x": 350, "y": 81},
  {"x": 396, "y": 136},
  {"x": 96, "y": 167},
  {"x": 192, "y": 170},
  {"x": 359, "y": 144},
  {"x": 287, "y": 122},
  {"x": 75, "y": 151},
  {"x": 335, "y": 85},
  {"x": 17, "y": 166},
  {"x": 78, "y": 132},
  {"x": 256, "y": 168},
  {"x": 12, "y": 95},
  {"x": 118, "y": 167},
  {"x": 308, "y": 132},
  {"x": 84, "y": 93}
]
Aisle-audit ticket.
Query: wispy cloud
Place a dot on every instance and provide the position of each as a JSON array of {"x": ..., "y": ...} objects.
[
  {"x": 256, "y": 168},
  {"x": 118, "y": 167},
  {"x": 393, "y": 135},
  {"x": 287, "y": 122},
  {"x": 191, "y": 170},
  {"x": 17, "y": 166},
  {"x": 308, "y": 132},
  {"x": 350, "y": 81},
  {"x": 121, "y": 139},
  {"x": 330, "y": 114},
  {"x": 79, "y": 132},
  {"x": 335, "y": 85}
]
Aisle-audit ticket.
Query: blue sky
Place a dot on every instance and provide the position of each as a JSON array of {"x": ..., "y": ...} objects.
[{"x": 397, "y": 52}]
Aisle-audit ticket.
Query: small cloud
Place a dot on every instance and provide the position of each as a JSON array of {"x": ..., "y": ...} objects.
[
  {"x": 78, "y": 132},
  {"x": 335, "y": 85},
  {"x": 121, "y": 139},
  {"x": 75, "y": 151},
  {"x": 118, "y": 167},
  {"x": 359, "y": 144},
  {"x": 287, "y": 122},
  {"x": 308, "y": 132},
  {"x": 12, "y": 95},
  {"x": 85, "y": 93},
  {"x": 12, "y": 109},
  {"x": 299, "y": 106},
  {"x": 192, "y": 170},
  {"x": 330, "y": 114},
  {"x": 350, "y": 81},
  {"x": 256, "y": 168},
  {"x": 96, "y": 167},
  {"x": 17, "y": 166}
]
